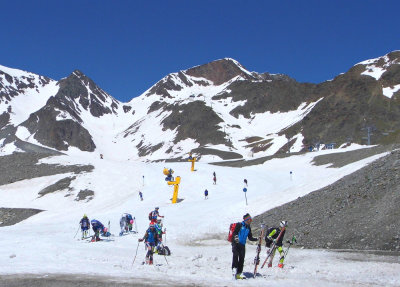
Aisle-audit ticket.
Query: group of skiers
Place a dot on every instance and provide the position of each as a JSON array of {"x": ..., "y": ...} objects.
[
  {"x": 273, "y": 241},
  {"x": 153, "y": 237},
  {"x": 97, "y": 226},
  {"x": 125, "y": 222},
  {"x": 154, "y": 242}
]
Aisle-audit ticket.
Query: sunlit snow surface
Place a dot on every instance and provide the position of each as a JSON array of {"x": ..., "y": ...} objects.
[{"x": 196, "y": 228}]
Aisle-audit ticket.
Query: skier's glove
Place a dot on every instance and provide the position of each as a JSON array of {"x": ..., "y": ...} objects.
[
  {"x": 140, "y": 239},
  {"x": 269, "y": 238},
  {"x": 236, "y": 238}
]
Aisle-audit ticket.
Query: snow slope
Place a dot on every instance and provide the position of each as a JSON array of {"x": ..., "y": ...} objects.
[{"x": 196, "y": 228}]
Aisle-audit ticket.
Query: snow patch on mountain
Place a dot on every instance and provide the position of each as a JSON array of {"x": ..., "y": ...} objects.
[
  {"x": 375, "y": 68},
  {"x": 389, "y": 91}
]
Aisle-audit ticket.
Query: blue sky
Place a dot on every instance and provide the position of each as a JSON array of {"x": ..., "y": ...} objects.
[{"x": 127, "y": 46}]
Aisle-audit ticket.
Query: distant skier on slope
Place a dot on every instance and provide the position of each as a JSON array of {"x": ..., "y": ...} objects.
[
  {"x": 271, "y": 236},
  {"x": 206, "y": 194},
  {"x": 240, "y": 234},
  {"x": 85, "y": 225},
  {"x": 150, "y": 238}
]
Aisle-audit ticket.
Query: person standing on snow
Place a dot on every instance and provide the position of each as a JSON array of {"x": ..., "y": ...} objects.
[
  {"x": 150, "y": 238},
  {"x": 240, "y": 234},
  {"x": 206, "y": 194},
  {"x": 129, "y": 221},
  {"x": 141, "y": 195},
  {"x": 122, "y": 224},
  {"x": 85, "y": 225},
  {"x": 271, "y": 237},
  {"x": 245, "y": 182},
  {"x": 158, "y": 226},
  {"x": 214, "y": 178},
  {"x": 154, "y": 215},
  {"x": 98, "y": 228}
]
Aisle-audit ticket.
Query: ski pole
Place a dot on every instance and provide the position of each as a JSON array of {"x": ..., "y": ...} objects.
[
  {"x": 77, "y": 231},
  {"x": 290, "y": 244},
  {"x": 135, "y": 254},
  {"x": 165, "y": 257},
  {"x": 135, "y": 225}
]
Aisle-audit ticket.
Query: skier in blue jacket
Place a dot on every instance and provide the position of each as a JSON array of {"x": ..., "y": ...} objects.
[
  {"x": 150, "y": 238},
  {"x": 85, "y": 225},
  {"x": 98, "y": 228},
  {"x": 240, "y": 234}
]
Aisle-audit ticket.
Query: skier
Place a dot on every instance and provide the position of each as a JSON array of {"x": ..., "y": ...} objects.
[
  {"x": 150, "y": 238},
  {"x": 98, "y": 228},
  {"x": 85, "y": 225},
  {"x": 206, "y": 194},
  {"x": 129, "y": 221},
  {"x": 240, "y": 235},
  {"x": 214, "y": 178},
  {"x": 123, "y": 224},
  {"x": 271, "y": 237},
  {"x": 190, "y": 155},
  {"x": 158, "y": 226},
  {"x": 141, "y": 195},
  {"x": 154, "y": 215},
  {"x": 245, "y": 181}
]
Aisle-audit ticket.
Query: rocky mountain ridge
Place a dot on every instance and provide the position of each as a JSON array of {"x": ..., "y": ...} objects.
[{"x": 213, "y": 108}]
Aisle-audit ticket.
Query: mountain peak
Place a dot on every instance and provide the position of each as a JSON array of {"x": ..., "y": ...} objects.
[
  {"x": 78, "y": 74},
  {"x": 219, "y": 71}
]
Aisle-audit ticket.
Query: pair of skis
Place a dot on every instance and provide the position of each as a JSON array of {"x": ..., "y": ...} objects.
[
  {"x": 271, "y": 252},
  {"x": 257, "y": 258}
]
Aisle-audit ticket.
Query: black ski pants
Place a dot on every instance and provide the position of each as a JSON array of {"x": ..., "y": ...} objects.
[{"x": 239, "y": 252}]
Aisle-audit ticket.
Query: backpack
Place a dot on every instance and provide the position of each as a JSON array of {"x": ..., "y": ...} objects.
[
  {"x": 231, "y": 229},
  {"x": 164, "y": 250}
]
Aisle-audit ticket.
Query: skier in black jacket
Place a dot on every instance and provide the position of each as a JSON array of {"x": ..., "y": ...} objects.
[
  {"x": 240, "y": 234},
  {"x": 271, "y": 237}
]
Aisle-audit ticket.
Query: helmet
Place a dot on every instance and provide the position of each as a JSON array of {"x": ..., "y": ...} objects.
[
  {"x": 131, "y": 221},
  {"x": 157, "y": 208},
  {"x": 84, "y": 215},
  {"x": 159, "y": 220},
  {"x": 283, "y": 223},
  {"x": 151, "y": 225},
  {"x": 105, "y": 229}
]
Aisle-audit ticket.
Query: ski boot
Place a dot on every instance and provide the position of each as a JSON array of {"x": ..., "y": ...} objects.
[
  {"x": 280, "y": 265},
  {"x": 234, "y": 270},
  {"x": 240, "y": 276}
]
